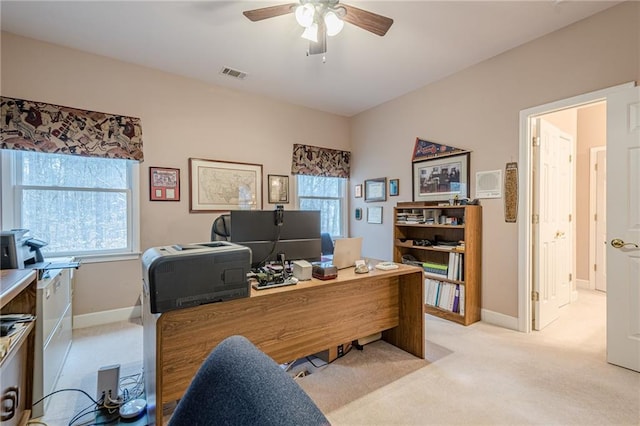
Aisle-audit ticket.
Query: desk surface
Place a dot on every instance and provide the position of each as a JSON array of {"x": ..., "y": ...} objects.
[{"x": 286, "y": 323}]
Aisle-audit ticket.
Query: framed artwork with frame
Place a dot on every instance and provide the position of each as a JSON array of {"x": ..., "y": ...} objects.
[
  {"x": 375, "y": 190},
  {"x": 442, "y": 178},
  {"x": 357, "y": 191},
  {"x": 224, "y": 185},
  {"x": 374, "y": 214},
  {"x": 164, "y": 184},
  {"x": 278, "y": 189},
  {"x": 394, "y": 187}
]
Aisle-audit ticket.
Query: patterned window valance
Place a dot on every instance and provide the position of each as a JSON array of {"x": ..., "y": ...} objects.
[
  {"x": 37, "y": 126},
  {"x": 316, "y": 161}
]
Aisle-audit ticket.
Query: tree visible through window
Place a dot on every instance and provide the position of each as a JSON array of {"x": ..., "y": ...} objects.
[
  {"x": 79, "y": 205},
  {"x": 326, "y": 194}
]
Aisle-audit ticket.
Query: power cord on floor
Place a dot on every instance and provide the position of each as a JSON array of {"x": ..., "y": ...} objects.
[
  {"x": 65, "y": 390},
  {"x": 131, "y": 386}
]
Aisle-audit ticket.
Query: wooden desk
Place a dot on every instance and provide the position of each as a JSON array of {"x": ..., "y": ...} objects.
[{"x": 286, "y": 323}]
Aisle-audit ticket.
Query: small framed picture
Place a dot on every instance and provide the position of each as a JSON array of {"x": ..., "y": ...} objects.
[
  {"x": 375, "y": 189},
  {"x": 358, "y": 213},
  {"x": 164, "y": 184},
  {"x": 278, "y": 189},
  {"x": 358, "y": 191},
  {"x": 374, "y": 214},
  {"x": 394, "y": 187}
]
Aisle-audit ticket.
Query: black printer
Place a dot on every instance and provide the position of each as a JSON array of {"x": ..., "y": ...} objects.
[
  {"x": 18, "y": 250},
  {"x": 180, "y": 276}
]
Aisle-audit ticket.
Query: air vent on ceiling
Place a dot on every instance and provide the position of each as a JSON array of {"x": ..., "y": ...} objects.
[{"x": 233, "y": 73}]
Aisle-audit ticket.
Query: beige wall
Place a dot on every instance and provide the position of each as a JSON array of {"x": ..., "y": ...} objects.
[
  {"x": 478, "y": 109},
  {"x": 181, "y": 118}
]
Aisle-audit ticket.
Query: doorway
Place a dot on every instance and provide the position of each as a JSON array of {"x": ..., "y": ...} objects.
[{"x": 527, "y": 269}]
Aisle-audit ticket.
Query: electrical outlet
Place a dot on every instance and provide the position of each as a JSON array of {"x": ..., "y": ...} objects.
[
  {"x": 340, "y": 350},
  {"x": 108, "y": 378}
]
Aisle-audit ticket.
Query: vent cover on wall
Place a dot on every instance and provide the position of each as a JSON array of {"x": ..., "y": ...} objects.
[
  {"x": 489, "y": 184},
  {"x": 233, "y": 73}
]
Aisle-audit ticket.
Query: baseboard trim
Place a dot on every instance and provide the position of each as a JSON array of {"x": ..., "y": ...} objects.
[
  {"x": 501, "y": 320},
  {"x": 106, "y": 317}
]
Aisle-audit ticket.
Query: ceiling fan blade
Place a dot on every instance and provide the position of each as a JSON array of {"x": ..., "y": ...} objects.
[
  {"x": 269, "y": 12},
  {"x": 369, "y": 21}
]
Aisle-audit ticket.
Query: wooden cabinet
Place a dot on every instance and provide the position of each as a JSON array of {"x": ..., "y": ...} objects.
[
  {"x": 447, "y": 242},
  {"x": 18, "y": 296}
]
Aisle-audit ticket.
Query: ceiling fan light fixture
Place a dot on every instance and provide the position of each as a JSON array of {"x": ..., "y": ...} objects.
[
  {"x": 333, "y": 23},
  {"x": 311, "y": 33},
  {"x": 305, "y": 14}
]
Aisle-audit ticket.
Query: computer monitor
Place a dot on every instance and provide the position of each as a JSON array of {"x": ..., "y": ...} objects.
[{"x": 298, "y": 236}]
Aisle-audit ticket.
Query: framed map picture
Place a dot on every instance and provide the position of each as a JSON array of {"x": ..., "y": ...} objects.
[{"x": 224, "y": 185}]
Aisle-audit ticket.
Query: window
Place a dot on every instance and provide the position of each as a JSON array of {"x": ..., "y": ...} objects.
[
  {"x": 327, "y": 194},
  {"x": 82, "y": 206}
]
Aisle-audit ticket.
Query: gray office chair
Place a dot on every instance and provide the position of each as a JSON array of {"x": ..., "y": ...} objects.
[
  {"x": 326, "y": 243},
  {"x": 240, "y": 385},
  {"x": 221, "y": 228}
]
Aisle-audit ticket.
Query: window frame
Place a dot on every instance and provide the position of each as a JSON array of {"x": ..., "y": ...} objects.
[
  {"x": 342, "y": 199},
  {"x": 11, "y": 208}
]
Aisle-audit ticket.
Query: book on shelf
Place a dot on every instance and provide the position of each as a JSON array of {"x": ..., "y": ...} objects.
[
  {"x": 456, "y": 299},
  {"x": 443, "y": 295}
]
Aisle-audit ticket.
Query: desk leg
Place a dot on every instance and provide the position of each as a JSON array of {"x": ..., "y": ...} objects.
[{"x": 409, "y": 335}]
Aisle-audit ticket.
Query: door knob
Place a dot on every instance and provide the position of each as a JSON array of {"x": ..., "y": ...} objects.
[{"x": 618, "y": 243}]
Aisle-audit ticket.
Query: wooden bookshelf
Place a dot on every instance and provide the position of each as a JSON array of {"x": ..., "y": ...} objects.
[{"x": 418, "y": 224}]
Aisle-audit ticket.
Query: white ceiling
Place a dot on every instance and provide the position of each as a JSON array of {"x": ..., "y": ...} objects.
[{"x": 427, "y": 41}]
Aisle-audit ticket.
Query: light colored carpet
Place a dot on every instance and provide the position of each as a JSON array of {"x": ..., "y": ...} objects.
[
  {"x": 480, "y": 375},
  {"x": 494, "y": 376}
]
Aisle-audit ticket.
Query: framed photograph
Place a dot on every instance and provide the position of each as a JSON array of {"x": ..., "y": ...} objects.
[
  {"x": 441, "y": 179},
  {"x": 394, "y": 187},
  {"x": 358, "y": 213},
  {"x": 164, "y": 184},
  {"x": 375, "y": 189},
  {"x": 374, "y": 214},
  {"x": 278, "y": 189},
  {"x": 224, "y": 185},
  {"x": 358, "y": 191}
]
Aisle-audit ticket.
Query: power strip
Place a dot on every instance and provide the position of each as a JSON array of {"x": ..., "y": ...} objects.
[{"x": 108, "y": 379}]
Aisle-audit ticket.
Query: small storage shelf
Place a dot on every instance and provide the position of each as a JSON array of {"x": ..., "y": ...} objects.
[
  {"x": 447, "y": 239},
  {"x": 18, "y": 296}
]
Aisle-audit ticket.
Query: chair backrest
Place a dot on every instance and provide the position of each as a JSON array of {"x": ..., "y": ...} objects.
[
  {"x": 326, "y": 243},
  {"x": 221, "y": 228}
]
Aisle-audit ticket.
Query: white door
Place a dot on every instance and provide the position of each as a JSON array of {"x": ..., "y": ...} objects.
[
  {"x": 623, "y": 228},
  {"x": 553, "y": 241},
  {"x": 600, "y": 193}
]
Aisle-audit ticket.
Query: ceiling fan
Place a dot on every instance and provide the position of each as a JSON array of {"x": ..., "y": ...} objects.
[{"x": 324, "y": 17}]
